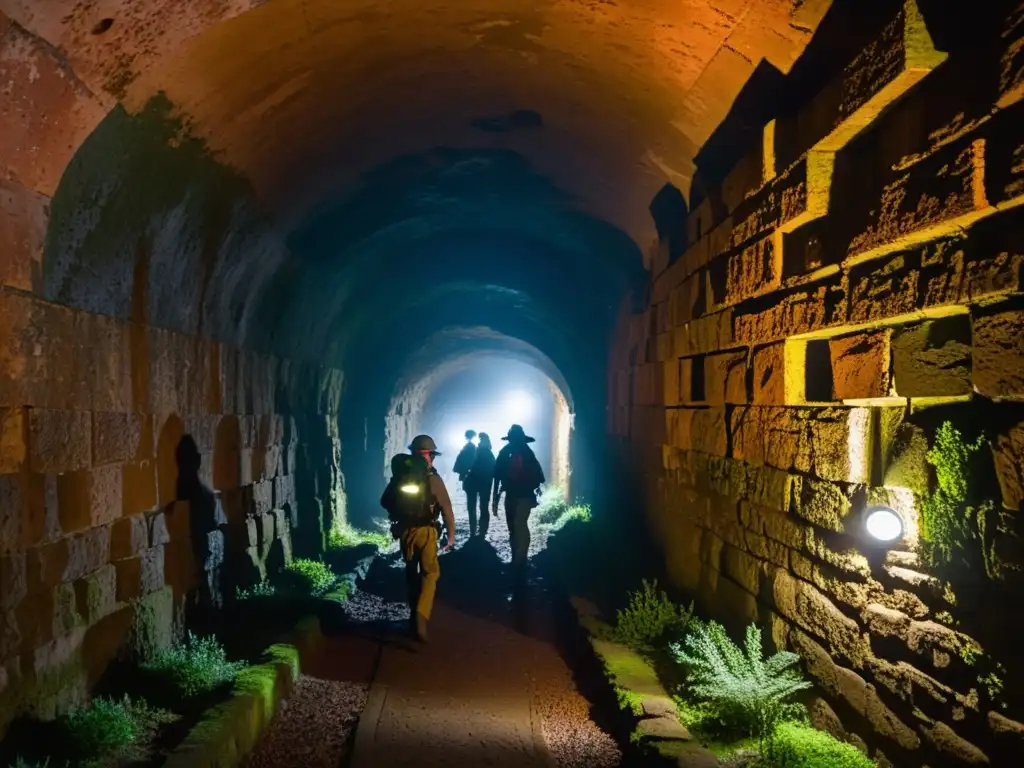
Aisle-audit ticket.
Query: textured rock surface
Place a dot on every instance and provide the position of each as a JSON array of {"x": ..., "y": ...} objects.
[{"x": 898, "y": 288}]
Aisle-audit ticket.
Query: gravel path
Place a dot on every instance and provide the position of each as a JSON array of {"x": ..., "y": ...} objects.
[
  {"x": 476, "y": 635},
  {"x": 314, "y": 727}
]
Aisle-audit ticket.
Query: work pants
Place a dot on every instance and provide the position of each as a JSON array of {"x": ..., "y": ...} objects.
[
  {"x": 419, "y": 550},
  {"x": 517, "y": 515},
  {"x": 476, "y": 498}
]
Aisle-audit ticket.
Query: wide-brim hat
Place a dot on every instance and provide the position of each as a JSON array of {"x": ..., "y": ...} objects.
[{"x": 517, "y": 435}]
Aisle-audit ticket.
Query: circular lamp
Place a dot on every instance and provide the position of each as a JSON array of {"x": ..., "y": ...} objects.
[{"x": 883, "y": 524}]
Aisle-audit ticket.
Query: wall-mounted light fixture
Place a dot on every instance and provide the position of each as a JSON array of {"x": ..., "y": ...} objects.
[{"x": 884, "y": 525}]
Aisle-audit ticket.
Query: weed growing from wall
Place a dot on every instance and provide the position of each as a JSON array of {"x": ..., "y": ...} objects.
[
  {"x": 308, "y": 577},
  {"x": 954, "y": 528},
  {"x": 193, "y": 667},
  {"x": 800, "y": 746},
  {"x": 107, "y": 732},
  {"x": 650, "y": 616}
]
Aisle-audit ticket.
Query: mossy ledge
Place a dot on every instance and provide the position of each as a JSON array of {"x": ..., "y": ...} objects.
[
  {"x": 640, "y": 694},
  {"x": 230, "y": 731}
]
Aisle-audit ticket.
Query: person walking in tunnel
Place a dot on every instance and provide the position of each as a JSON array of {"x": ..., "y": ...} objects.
[
  {"x": 478, "y": 485},
  {"x": 518, "y": 474},
  {"x": 413, "y": 499},
  {"x": 463, "y": 464}
]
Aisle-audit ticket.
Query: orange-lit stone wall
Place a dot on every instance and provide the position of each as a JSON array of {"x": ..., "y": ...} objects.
[
  {"x": 858, "y": 271},
  {"x": 99, "y": 553}
]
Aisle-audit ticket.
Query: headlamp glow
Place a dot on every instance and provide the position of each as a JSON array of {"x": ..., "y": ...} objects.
[{"x": 410, "y": 488}]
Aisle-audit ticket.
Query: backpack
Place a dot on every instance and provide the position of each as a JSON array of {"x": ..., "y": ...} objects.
[
  {"x": 520, "y": 473},
  {"x": 408, "y": 498}
]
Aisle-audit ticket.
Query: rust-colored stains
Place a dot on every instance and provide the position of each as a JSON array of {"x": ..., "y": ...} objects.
[{"x": 302, "y": 95}]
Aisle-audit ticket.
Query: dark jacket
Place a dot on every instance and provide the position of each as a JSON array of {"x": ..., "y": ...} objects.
[
  {"x": 464, "y": 461},
  {"x": 482, "y": 471},
  {"x": 532, "y": 474}
]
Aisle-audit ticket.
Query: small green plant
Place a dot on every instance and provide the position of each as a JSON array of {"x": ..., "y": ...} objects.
[
  {"x": 993, "y": 682},
  {"x": 970, "y": 653},
  {"x": 194, "y": 667},
  {"x": 800, "y": 746},
  {"x": 745, "y": 689},
  {"x": 107, "y": 731},
  {"x": 21, "y": 762},
  {"x": 650, "y": 616},
  {"x": 576, "y": 513},
  {"x": 550, "y": 506},
  {"x": 263, "y": 589},
  {"x": 953, "y": 526},
  {"x": 944, "y": 617},
  {"x": 308, "y": 577},
  {"x": 346, "y": 537}
]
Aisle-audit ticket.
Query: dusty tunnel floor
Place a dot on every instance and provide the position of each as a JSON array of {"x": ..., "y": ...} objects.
[{"x": 492, "y": 688}]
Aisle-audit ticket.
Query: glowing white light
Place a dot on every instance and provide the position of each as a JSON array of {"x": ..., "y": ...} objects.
[
  {"x": 458, "y": 438},
  {"x": 410, "y": 488},
  {"x": 884, "y": 524},
  {"x": 518, "y": 406}
]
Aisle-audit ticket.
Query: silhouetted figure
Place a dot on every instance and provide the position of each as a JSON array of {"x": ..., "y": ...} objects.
[
  {"x": 518, "y": 474},
  {"x": 413, "y": 499},
  {"x": 478, "y": 485},
  {"x": 206, "y": 524}
]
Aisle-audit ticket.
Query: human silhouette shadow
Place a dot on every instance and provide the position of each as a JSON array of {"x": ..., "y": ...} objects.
[{"x": 205, "y": 518}]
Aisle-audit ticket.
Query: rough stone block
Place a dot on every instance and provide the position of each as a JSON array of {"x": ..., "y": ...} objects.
[
  {"x": 672, "y": 395},
  {"x": 846, "y": 684},
  {"x": 66, "y": 617},
  {"x": 263, "y": 497},
  {"x": 822, "y": 442},
  {"x": 24, "y": 215},
  {"x": 884, "y": 288},
  {"x": 778, "y": 202},
  {"x": 138, "y": 487},
  {"x": 1004, "y": 177},
  {"x": 933, "y": 190},
  {"x": 697, "y": 429},
  {"x": 105, "y": 494},
  {"x": 886, "y": 622},
  {"x": 742, "y": 568},
  {"x": 120, "y": 437},
  {"x": 128, "y": 578},
  {"x": 60, "y": 441},
  {"x": 151, "y": 570},
  {"x": 13, "y": 580},
  {"x": 751, "y": 272},
  {"x": 860, "y": 365},
  {"x": 129, "y": 537},
  {"x": 906, "y": 464},
  {"x": 998, "y": 352},
  {"x": 22, "y": 512},
  {"x": 86, "y": 552},
  {"x": 152, "y": 626},
  {"x": 725, "y": 378},
  {"x": 1008, "y": 455},
  {"x": 801, "y": 311},
  {"x": 13, "y": 448},
  {"x": 158, "y": 531},
  {"x": 933, "y": 359},
  {"x": 948, "y": 742},
  {"x": 770, "y": 375},
  {"x": 822, "y": 503},
  {"x": 96, "y": 594}
]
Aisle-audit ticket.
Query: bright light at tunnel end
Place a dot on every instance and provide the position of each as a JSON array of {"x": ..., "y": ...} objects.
[
  {"x": 518, "y": 406},
  {"x": 883, "y": 524}
]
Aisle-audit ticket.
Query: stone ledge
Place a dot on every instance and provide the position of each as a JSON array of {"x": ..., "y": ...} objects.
[
  {"x": 229, "y": 732},
  {"x": 641, "y": 693}
]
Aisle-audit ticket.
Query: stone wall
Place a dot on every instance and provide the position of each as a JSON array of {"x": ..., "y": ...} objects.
[
  {"x": 854, "y": 281},
  {"x": 108, "y": 530}
]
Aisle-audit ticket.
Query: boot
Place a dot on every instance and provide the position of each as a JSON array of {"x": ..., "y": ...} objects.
[{"x": 421, "y": 628}]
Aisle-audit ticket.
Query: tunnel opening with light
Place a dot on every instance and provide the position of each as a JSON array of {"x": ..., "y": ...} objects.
[{"x": 751, "y": 273}]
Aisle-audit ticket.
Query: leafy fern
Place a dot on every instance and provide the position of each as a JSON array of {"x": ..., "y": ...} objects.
[{"x": 744, "y": 686}]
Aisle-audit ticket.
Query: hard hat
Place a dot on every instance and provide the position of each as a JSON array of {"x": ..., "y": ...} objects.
[{"x": 422, "y": 443}]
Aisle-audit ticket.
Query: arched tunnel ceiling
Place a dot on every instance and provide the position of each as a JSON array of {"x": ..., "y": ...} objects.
[
  {"x": 304, "y": 96},
  {"x": 457, "y": 348}
]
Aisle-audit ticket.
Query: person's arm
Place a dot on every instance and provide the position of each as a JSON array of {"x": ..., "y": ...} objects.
[
  {"x": 440, "y": 492},
  {"x": 499, "y": 470}
]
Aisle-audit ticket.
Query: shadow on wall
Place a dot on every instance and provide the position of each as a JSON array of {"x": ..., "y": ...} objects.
[{"x": 206, "y": 526}]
